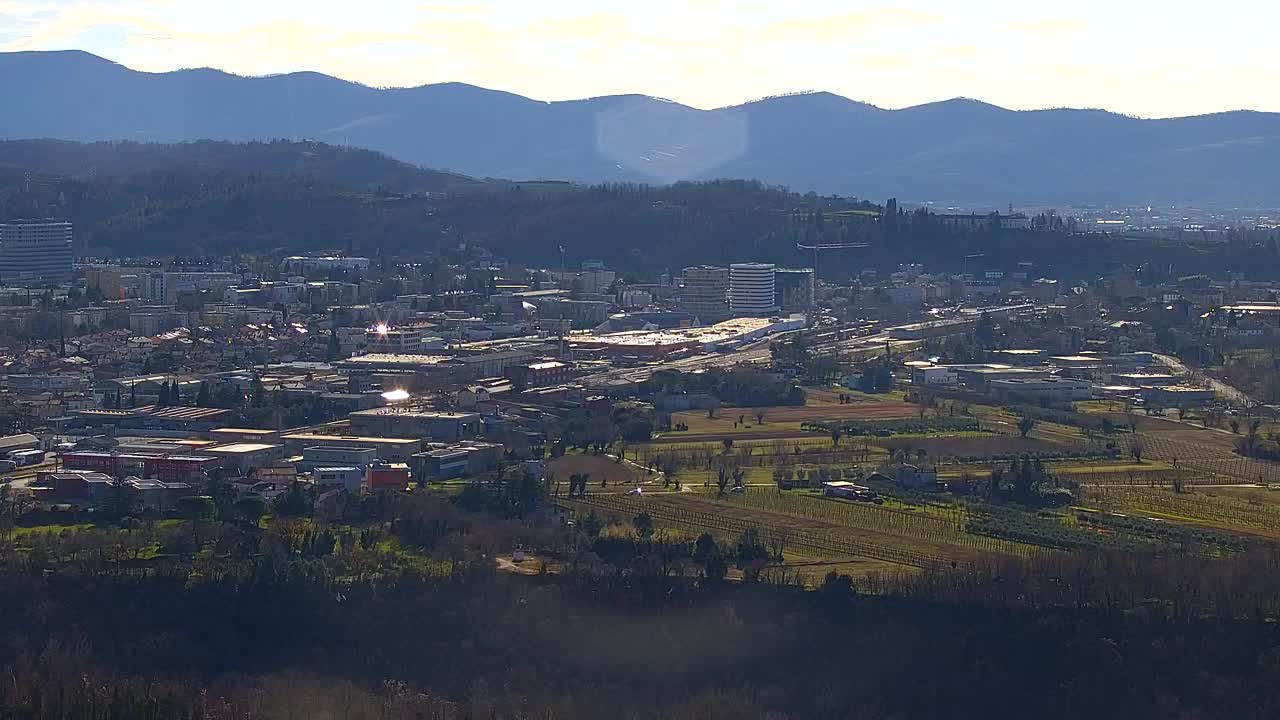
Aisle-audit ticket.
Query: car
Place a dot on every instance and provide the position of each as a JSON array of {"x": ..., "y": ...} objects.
[
  {"x": 738, "y": 489},
  {"x": 635, "y": 491}
]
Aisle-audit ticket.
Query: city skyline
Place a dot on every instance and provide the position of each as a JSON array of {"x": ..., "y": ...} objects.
[{"x": 704, "y": 54}]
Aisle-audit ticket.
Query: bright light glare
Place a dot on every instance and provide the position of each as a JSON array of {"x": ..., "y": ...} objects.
[
  {"x": 381, "y": 328},
  {"x": 395, "y": 395}
]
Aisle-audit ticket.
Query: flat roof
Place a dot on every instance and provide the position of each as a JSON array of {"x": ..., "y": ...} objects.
[
  {"x": 1077, "y": 358},
  {"x": 1253, "y": 307},
  {"x": 1004, "y": 370},
  {"x": 398, "y": 359},
  {"x": 240, "y": 448},
  {"x": 418, "y": 414},
  {"x": 186, "y": 413},
  {"x": 350, "y": 438},
  {"x": 243, "y": 431}
]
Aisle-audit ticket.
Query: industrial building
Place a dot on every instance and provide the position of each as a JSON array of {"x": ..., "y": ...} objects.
[
  {"x": 385, "y": 422},
  {"x": 388, "y": 449},
  {"x": 1180, "y": 396},
  {"x": 350, "y": 478},
  {"x": 455, "y": 461},
  {"x": 1051, "y": 389}
]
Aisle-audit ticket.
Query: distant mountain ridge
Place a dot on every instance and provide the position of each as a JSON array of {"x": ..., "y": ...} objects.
[{"x": 955, "y": 151}]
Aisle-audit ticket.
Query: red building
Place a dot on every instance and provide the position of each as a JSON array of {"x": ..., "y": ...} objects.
[
  {"x": 394, "y": 476},
  {"x": 169, "y": 468}
]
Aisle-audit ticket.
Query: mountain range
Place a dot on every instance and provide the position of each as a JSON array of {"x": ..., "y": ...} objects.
[{"x": 953, "y": 152}]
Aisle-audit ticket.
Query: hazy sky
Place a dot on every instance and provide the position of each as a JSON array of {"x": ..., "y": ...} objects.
[{"x": 1154, "y": 58}]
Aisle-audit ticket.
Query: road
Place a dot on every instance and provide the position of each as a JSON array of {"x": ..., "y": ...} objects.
[{"x": 23, "y": 476}]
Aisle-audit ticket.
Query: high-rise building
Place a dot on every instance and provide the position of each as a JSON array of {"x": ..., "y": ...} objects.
[
  {"x": 35, "y": 250},
  {"x": 751, "y": 289},
  {"x": 705, "y": 292},
  {"x": 793, "y": 289}
]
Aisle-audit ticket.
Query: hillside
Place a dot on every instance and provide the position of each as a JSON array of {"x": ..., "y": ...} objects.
[
  {"x": 957, "y": 151},
  {"x": 174, "y": 207},
  {"x": 350, "y": 167}
]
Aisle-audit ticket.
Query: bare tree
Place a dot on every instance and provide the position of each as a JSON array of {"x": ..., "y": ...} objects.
[{"x": 712, "y": 406}]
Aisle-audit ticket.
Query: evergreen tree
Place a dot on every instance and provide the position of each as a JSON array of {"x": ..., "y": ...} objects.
[{"x": 203, "y": 398}]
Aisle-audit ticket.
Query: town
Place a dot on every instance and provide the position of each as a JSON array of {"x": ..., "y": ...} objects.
[{"x": 897, "y": 422}]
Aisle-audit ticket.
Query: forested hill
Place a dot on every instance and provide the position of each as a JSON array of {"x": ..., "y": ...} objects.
[
  {"x": 231, "y": 200},
  {"x": 349, "y": 167},
  {"x": 953, "y": 152}
]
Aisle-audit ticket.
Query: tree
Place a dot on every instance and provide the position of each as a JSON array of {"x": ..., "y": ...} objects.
[
  {"x": 123, "y": 502},
  {"x": 196, "y": 507},
  {"x": 759, "y": 416},
  {"x": 591, "y": 525},
  {"x": 750, "y": 554},
  {"x": 250, "y": 509},
  {"x": 1235, "y": 426},
  {"x": 1136, "y": 448},
  {"x": 704, "y": 546},
  {"x": 836, "y": 591},
  {"x": 203, "y": 398},
  {"x": 712, "y": 406},
  {"x": 723, "y": 473},
  {"x": 1026, "y": 424},
  {"x": 296, "y": 502},
  {"x": 836, "y": 433},
  {"x": 728, "y": 444},
  {"x": 643, "y": 525}
]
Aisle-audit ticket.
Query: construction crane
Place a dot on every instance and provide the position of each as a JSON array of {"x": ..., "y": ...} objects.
[{"x": 816, "y": 248}]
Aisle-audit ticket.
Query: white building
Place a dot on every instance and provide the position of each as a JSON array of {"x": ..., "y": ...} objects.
[
  {"x": 35, "y": 250},
  {"x": 751, "y": 289},
  {"x": 348, "y": 477},
  {"x": 300, "y": 264}
]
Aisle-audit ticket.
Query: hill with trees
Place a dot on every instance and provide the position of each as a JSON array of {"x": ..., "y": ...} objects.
[
  {"x": 351, "y": 167},
  {"x": 953, "y": 152},
  {"x": 264, "y": 198}
]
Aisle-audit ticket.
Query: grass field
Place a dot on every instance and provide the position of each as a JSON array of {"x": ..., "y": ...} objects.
[
  {"x": 902, "y": 535},
  {"x": 599, "y": 467},
  {"x": 899, "y": 534},
  {"x": 820, "y": 406},
  {"x": 1214, "y": 508}
]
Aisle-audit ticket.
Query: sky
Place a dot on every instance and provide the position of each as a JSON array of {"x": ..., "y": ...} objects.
[{"x": 1151, "y": 58}]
